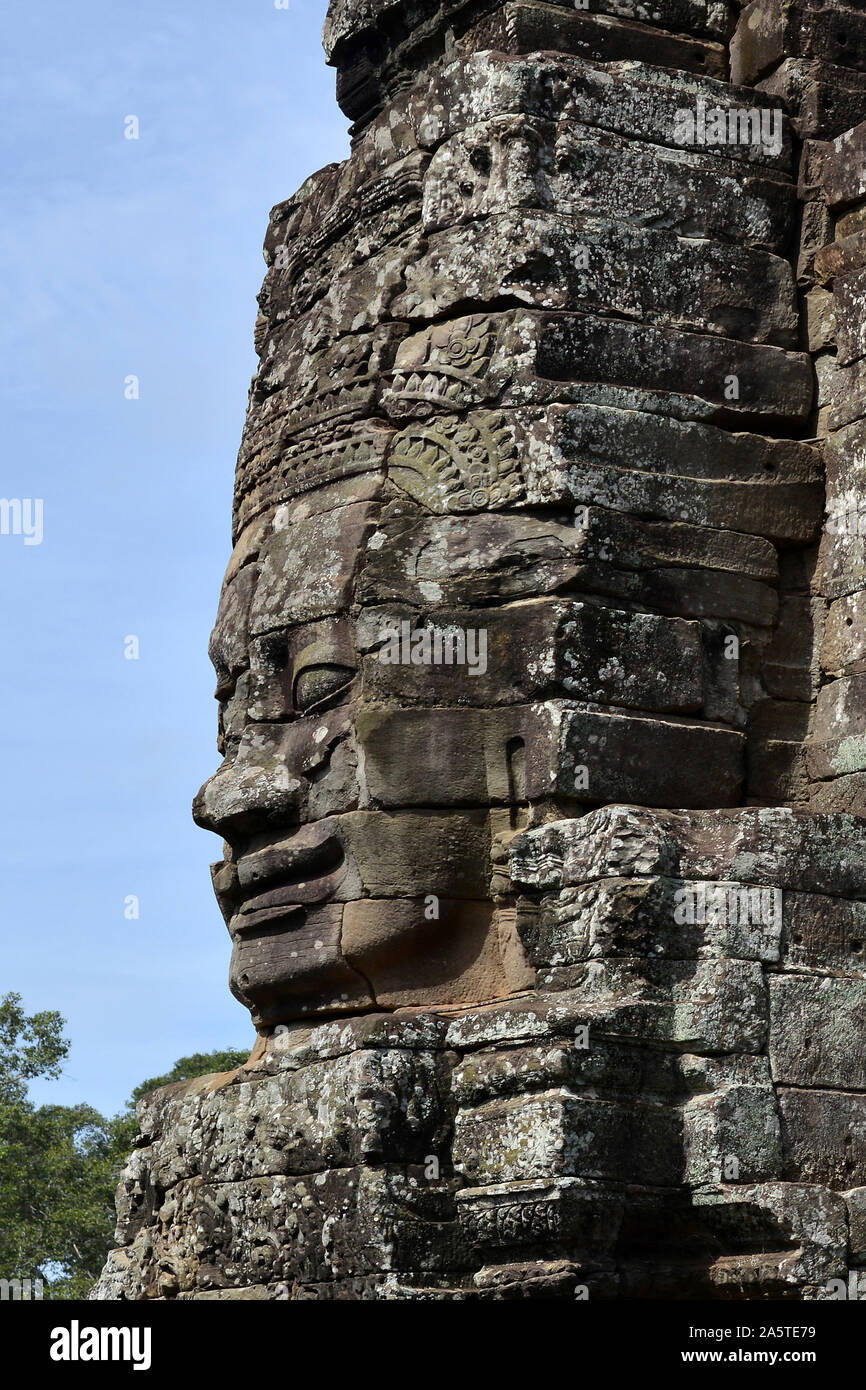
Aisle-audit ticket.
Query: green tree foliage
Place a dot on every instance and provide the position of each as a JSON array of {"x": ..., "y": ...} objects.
[
  {"x": 60, "y": 1164},
  {"x": 29, "y": 1047}
]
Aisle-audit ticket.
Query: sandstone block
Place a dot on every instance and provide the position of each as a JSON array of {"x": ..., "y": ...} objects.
[{"x": 816, "y": 1032}]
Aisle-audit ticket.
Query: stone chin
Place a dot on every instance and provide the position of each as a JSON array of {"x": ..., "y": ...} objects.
[
  {"x": 347, "y": 958},
  {"x": 379, "y": 904},
  {"x": 372, "y": 909}
]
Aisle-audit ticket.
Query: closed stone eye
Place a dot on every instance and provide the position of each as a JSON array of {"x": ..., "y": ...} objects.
[{"x": 317, "y": 684}]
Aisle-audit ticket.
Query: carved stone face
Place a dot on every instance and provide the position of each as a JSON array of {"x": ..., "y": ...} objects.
[
  {"x": 421, "y": 648},
  {"x": 384, "y": 733}
]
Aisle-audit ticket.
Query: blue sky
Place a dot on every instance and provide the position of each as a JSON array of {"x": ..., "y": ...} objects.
[{"x": 118, "y": 258}]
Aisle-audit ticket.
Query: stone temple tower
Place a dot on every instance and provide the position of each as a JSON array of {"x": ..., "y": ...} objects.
[{"x": 541, "y": 661}]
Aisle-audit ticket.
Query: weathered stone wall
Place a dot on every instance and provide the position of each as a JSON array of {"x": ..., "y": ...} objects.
[
  {"x": 679, "y": 1110},
  {"x": 553, "y": 355},
  {"x": 837, "y": 313}
]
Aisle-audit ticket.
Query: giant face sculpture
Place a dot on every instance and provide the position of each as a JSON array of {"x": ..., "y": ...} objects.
[
  {"x": 443, "y": 619},
  {"x": 404, "y": 683},
  {"x": 379, "y": 669}
]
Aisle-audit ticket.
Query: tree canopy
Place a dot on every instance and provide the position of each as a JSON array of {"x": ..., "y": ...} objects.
[{"x": 60, "y": 1164}]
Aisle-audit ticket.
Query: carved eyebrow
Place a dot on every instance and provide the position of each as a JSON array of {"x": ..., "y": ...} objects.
[
  {"x": 229, "y": 642},
  {"x": 322, "y": 653},
  {"x": 329, "y": 644},
  {"x": 226, "y": 680}
]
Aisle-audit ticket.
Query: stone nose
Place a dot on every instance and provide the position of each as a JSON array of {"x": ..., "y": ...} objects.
[{"x": 282, "y": 774}]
